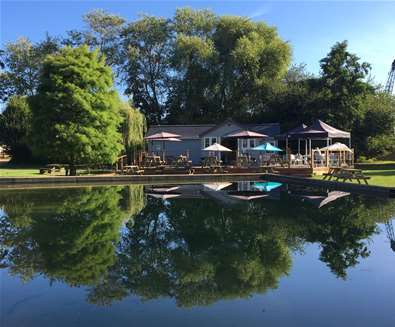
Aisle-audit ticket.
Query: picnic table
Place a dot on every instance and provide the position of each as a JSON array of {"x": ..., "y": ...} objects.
[
  {"x": 153, "y": 161},
  {"x": 182, "y": 162},
  {"x": 347, "y": 174},
  {"x": 133, "y": 170},
  {"x": 52, "y": 168}
]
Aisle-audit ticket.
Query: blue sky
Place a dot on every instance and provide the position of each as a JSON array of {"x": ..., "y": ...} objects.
[{"x": 311, "y": 27}]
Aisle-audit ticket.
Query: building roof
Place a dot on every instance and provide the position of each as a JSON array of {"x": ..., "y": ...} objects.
[
  {"x": 319, "y": 129},
  {"x": 198, "y": 131},
  {"x": 270, "y": 129},
  {"x": 185, "y": 131}
]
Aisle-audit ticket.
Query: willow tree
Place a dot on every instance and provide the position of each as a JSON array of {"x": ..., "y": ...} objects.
[
  {"x": 133, "y": 128},
  {"x": 76, "y": 110}
]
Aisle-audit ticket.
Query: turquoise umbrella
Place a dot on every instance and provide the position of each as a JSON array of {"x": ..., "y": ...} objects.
[{"x": 267, "y": 147}]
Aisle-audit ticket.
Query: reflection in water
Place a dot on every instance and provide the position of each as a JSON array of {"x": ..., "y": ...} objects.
[{"x": 194, "y": 243}]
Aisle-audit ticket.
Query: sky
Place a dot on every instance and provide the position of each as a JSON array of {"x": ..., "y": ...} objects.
[{"x": 310, "y": 27}]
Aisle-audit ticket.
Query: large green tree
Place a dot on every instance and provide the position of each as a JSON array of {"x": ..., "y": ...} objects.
[
  {"x": 76, "y": 111},
  {"x": 15, "y": 125}
]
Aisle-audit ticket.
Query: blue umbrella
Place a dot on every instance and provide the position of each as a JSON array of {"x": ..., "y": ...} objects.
[
  {"x": 266, "y": 186},
  {"x": 267, "y": 147}
]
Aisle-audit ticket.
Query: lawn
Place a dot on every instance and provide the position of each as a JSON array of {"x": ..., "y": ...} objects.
[
  {"x": 379, "y": 177},
  {"x": 7, "y": 171}
]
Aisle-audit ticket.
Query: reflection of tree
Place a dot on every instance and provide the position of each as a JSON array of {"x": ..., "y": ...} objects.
[
  {"x": 195, "y": 251},
  {"x": 343, "y": 230},
  {"x": 69, "y": 235},
  {"x": 199, "y": 252}
]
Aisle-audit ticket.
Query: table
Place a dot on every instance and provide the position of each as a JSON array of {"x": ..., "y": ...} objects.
[{"x": 347, "y": 174}]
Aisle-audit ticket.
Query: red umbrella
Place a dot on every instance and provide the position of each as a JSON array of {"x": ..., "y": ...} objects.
[{"x": 163, "y": 139}]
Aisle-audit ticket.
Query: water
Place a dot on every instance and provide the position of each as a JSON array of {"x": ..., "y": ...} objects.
[{"x": 219, "y": 254}]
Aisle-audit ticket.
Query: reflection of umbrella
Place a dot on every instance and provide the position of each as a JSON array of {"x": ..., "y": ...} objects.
[
  {"x": 217, "y": 186},
  {"x": 248, "y": 197},
  {"x": 267, "y": 147},
  {"x": 266, "y": 186},
  {"x": 247, "y": 134},
  {"x": 163, "y": 196},
  {"x": 163, "y": 189},
  {"x": 217, "y": 148},
  {"x": 337, "y": 147},
  {"x": 320, "y": 200}
]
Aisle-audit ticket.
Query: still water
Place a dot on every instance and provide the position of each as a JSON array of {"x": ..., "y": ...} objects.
[{"x": 218, "y": 254}]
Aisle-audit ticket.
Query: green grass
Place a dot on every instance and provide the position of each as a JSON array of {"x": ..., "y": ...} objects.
[
  {"x": 379, "y": 177},
  {"x": 9, "y": 171}
]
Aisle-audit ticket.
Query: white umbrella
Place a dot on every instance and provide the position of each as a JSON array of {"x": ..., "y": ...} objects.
[
  {"x": 163, "y": 196},
  {"x": 217, "y": 186},
  {"x": 217, "y": 148},
  {"x": 336, "y": 147}
]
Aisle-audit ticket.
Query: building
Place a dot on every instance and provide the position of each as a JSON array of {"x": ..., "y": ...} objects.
[{"x": 194, "y": 138}]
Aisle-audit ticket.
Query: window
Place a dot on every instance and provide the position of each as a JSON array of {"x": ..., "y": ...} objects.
[
  {"x": 245, "y": 143},
  {"x": 252, "y": 143},
  {"x": 209, "y": 141}
]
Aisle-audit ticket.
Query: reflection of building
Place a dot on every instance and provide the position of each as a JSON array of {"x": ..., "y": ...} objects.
[
  {"x": 317, "y": 198},
  {"x": 225, "y": 192}
]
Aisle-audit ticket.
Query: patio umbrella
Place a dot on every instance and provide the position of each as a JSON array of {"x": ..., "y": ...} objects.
[
  {"x": 163, "y": 139},
  {"x": 161, "y": 135},
  {"x": 266, "y": 186},
  {"x": 247, "y": 134},
  {"x": 267, "y": 147},
  {"x": 217, "y": 148},
  {"x": 337, "y": 147}
]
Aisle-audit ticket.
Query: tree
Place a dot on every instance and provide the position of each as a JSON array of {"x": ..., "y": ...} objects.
[
  {"x": 146, "y": 66},
  {"x": 134, "y": 127},
  {"x": 374, "y": 135},
  {"x": 22, "y": 64},
  {"x": 103, "y": 32},
  {"x": 15, "y": 125},
  {"x": 343, "y": 80},
  {"x": 228, "y": 66},
  {"x": 79, "y": 109}
]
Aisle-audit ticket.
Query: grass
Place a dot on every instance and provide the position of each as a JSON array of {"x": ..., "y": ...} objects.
[{"x": 378, "y": 177}]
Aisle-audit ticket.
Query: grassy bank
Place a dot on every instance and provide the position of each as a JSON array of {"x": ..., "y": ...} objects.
[{"x": 378, "y": 177}]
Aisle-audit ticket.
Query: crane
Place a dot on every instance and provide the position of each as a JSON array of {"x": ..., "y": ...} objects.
[{"x": 389, "y": 87}]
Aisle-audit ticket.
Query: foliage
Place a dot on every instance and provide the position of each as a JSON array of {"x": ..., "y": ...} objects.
[
  {"x": 15, "y": 125},
  {"x": 103, "y": 32},
  {"x": 79, "y": 109},
  {"x": 145, "y": 67},
  {"x": 70, "y": 239},
  {"x": 133, "y": 128},
  {"x": 22, "y": 62},
  {"x": 195, "y": 251},
  {"x": 375, "y": 134}
]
